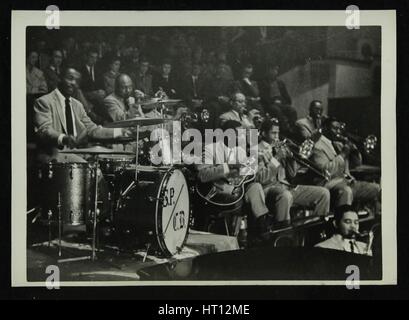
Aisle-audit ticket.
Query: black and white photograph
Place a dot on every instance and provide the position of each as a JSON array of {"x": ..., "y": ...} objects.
[{"x": 204, "y": 148}]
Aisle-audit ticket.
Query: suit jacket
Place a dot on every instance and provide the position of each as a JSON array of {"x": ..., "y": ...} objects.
[
  {"x": 87, "y": 84},
  {"x": 325, "y": 157},
  {"x": 249, "y": 90},
  {"x": 273, "y": 172},
  {"x": 336, "y": 242},
  {"x": 305, "y": 128},
  {"x": 267, "y": 91},
  {"x": 143, "y": 84},
  {"x": 166, "y": 84},
  {"x": 215, "y": 87},
  {"x": 49, "y": 121},
  {"x": 187, "y": 89},
  {"x": 52, "y": 77},
  {"x": 232, "y": 115},
  {"x": 116, "y": 109}
]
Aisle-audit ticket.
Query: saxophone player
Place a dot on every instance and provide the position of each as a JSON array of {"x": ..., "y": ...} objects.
[{"x": 276, "y": 163}]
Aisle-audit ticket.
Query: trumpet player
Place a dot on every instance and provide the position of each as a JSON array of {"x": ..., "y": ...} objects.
[
  {"x": 276, "y": 163},
  {"x": 308, "y": 128},
  {"x": 331, "y": 154}
]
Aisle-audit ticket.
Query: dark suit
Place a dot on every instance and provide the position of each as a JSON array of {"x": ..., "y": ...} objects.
[
  {"x": 52, "y": 76},
  {"x": 87, "y": 83},
  {"x": 191, "y": 89},
  {"x": 167, "y": 84},
  {"x": 270, "y": 89},
  {"x": 143, "y": 83},
  {"x": 251, "y": 91}
]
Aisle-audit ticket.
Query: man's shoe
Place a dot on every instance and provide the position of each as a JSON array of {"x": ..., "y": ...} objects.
[
  {"x": 264, "y": 223},
  {"x": 282, "y": 225}
]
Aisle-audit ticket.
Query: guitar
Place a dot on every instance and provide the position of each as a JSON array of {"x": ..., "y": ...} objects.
[{"x": 228, "y": 191}]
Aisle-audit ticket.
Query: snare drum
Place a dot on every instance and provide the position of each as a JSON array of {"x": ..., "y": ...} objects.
[
  {"x": 111, "y": 164},
  {"x": 156, "y": 208}
]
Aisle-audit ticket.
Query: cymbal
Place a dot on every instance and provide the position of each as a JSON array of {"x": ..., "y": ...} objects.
[
  {"x": 159, "y": 101},
  {"x": 134, "y": 122},
  {"x": 95, "y": 150}
]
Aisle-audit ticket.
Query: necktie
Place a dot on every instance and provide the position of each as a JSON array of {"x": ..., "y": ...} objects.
[
  {"x": 352, "y": 246},
  {"x": 68, "y": 117},
  {"x": 194, "y": 87}
]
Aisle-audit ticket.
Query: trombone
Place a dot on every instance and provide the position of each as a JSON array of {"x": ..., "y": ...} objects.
[{"x": 301, "y": 154}]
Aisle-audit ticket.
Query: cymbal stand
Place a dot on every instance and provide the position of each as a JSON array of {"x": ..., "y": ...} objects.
[
  {"x": 94, "y": 220},
  {"x": 59, "y": 224},
  {"x": 137, "y": 153}
]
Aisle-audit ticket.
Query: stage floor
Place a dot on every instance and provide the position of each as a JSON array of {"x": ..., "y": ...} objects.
[{"x": 113, "y": 264}]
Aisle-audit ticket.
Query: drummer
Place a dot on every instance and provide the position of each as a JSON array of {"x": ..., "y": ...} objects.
[{"x": 61, "y": 122}]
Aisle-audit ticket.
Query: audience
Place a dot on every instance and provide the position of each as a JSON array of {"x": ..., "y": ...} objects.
[
  {"x": 53, "y": 71},
  {"x": 111, "y": 74},
  {"x": 35, "y": 80}
]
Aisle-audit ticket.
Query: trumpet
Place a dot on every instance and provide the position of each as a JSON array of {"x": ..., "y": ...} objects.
[
  {"x": 368, "y": 143},
  {"x": 188, "y": 119}
]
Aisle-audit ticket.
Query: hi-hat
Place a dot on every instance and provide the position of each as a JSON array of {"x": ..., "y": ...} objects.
[
  {"x": 95, "y": 150},
  {"x": 134, "y": 122}
]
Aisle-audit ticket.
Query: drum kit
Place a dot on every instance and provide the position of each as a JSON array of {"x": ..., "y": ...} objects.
[{"x": 147, "y": 202}]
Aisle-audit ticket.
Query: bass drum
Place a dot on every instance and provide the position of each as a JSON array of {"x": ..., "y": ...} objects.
[{"x": 156, "y": 208}]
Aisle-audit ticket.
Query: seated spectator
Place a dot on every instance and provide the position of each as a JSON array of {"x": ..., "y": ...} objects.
[
  {"x": 91, "y": 79},
  {"x": 249, "y": 87},
  {"x": 53, "y": 71},
  {"x": 192, "y": 86},
  {"x": 222, "y": 62},
  {"x": 35, "y": 79},
  {"x": 165, "y": 80},
  {"x": 346, "y": 222},
  {"x": 272, "y": 87},
  {"x": 131, "y": 61},
  {"x": 142, "y": 78},
  {"x": 111, "y": 74}
]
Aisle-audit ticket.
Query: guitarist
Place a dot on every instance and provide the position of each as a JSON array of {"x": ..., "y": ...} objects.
[
  {"x": 218, "y": 154},
  {"x": 276, "y": 162}
]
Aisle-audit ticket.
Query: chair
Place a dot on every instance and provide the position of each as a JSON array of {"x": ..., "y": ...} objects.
[{"x": 231, "y": 218}]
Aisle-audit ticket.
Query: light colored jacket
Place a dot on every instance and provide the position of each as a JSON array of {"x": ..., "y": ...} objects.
[
  {"x": 305, "y": 127},
  {"x": 115, "y": 109},
  {"x": 232, "y": 115},
  {"x": 326, "y": 158},
  {"x": 273, "y": 172},
  {"x": 49, "y": 120}
]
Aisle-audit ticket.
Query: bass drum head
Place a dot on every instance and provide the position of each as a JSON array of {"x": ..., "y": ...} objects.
[{"x": 172, "y": 213}]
